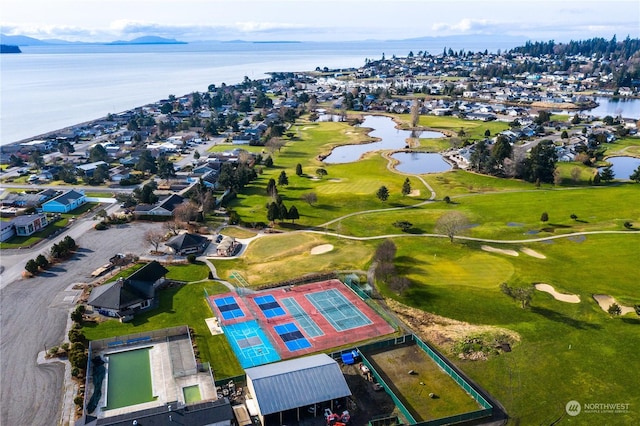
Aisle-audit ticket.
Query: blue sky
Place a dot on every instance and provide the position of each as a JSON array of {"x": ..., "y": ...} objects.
[{"x": 326, "y": 20}]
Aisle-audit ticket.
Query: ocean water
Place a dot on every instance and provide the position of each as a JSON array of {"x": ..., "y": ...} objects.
[{"x": 46, "y": 88}]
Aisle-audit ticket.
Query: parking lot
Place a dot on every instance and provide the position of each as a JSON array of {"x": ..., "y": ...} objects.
[{"x": 34, "y": 317}]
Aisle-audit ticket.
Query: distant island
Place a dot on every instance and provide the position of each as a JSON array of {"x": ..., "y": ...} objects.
[
  {"x": 8, "y": 48},
  {"x": 149, "y": 40}
]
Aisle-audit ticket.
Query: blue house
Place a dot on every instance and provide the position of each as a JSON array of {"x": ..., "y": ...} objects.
[{"x": 65, "y": 202}]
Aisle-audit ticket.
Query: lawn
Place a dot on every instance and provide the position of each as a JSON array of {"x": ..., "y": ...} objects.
[{"x": 185, "y": 305}]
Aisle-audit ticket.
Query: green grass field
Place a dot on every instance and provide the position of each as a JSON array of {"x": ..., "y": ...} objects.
[{"x": 566, "y": 351}]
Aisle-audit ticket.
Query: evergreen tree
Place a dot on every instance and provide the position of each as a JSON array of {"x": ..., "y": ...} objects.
[
  {"x": 382, "y": 193},
  {"x": 283, "y": 180},
  {"x": 406, "y": 187}
]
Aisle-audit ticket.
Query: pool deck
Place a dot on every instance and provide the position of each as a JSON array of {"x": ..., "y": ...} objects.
[{"x": 173, "y": 367}]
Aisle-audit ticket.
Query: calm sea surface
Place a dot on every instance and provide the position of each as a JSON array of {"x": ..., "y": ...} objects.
[{"x": 51, "y": 87}]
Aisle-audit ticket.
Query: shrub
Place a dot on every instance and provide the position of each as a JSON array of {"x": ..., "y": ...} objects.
[
  {"x": 31, "y": 267},
  {"x": 191, "y": 258},
  {"x": 100, "y": 226}
]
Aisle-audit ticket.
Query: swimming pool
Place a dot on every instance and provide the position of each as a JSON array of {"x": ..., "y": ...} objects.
[{"x": 129, "y": 378}]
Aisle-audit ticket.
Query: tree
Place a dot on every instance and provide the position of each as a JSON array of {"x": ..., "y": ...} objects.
[
  {"x": 293, "y": 214},
  {"x": 165, "y": 168},
  {"x": 614, "y": 310},
  {"x": 37, "y": 159},
  {"x": 451, "y": 224},
  {"x": 186, "y": 212},
  {"x": 268, "y": 162},
  {"x": 196, "y": 155},
  {"x": 406, "y": 187},
  {"x": 521, "y": 294},
  {"x": 403, "y": 224},
  {"x": 541, "y": 163},
  {"x": 299, "y": 169},
  {"x": 415, "y": 113},
  {"x": 166, "y": 108},
  {"x": 575, "y": 174},
  {"x": 501, "y": 150},
  {"x": 154, "y": 237},
  {"x": 487, "y": 133},
  {"x": 283, "y": 180},
  {"x": 98, "y": 153},
  {"x": 272, "y": 189},
  {"x": 321, "y": 173},
  {"x": 607, "y": 174},
  {"x": 564, "y": 135},
  {"x": 146, "y": 194},
  {"x": 635, "y": 176},
  {"x": 272, "y": 212},
  {"x": 31, "y": 267},
  {"x": 385, "y": 252},
  {"x": 76, "y": 316},
  {"x": 447, "y": 199},
  {"x": 42, "y": 261},
  {"x": 574, "y": 216},
  {"x": 399, "y": 284},
  {"x": 481, "y": 159},
  {"x": 637, "y": 309},
  {"x": 382, "y": 193},
  {"x": 543, "y": 117},
  {"x": 146, "y": 163},
  {"x": 544, "y": 217},
  {"x": 628, "y": 225},
  {"x": 310, "y": 197}
]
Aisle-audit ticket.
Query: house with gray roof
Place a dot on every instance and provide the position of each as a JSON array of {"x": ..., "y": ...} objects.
[
  {"x": 282, "y": 389},
  {"x": 128, "y": 296},
  {"x": 163, "y": 207},
  {"x": 29, "y": 224},
  {"x": 187, "y": 243},
  {"x": 65, "y": 202}
]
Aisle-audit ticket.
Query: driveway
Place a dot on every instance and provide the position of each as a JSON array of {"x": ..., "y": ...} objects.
[{"x": 33, "y": 316}]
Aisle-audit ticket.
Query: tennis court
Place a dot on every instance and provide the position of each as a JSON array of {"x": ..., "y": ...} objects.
[
  {"x": 337, "y": 309},
  {"x": 228, "y": 307},
  {"x": 269, "y": 306},
  {"x": 292, "y": 337},
  {"x": 250, "y": 344},
  {"x": 304, "y": 320}
]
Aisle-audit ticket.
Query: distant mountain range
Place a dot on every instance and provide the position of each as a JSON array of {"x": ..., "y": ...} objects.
[{"x": 20, "y": 40}]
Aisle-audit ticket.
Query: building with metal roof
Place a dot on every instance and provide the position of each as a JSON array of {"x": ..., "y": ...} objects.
[{"x": 288, "y": 386}]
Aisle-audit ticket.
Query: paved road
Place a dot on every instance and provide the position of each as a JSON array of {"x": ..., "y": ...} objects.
[{"x": 33, "y": 315}]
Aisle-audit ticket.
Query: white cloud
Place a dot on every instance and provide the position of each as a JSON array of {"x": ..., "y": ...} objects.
[{"x": 465, "y": 25}]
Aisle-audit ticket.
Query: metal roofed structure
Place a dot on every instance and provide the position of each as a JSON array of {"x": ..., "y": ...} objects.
[{"x": 296, "y": 383}]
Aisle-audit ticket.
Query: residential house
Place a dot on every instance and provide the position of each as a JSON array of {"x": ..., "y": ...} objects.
[
  {"x": 227, "y": 246},
  {"x": 7, "y": 230},
  {"x": 29, "y": 224},
  {"x": 65, "y": 202},
  {"x": 187, "y": 243},
  {"x": 89, "y": 168},
  {"x": 163, "y": 207},
  {"x": 128, "y": 296}
]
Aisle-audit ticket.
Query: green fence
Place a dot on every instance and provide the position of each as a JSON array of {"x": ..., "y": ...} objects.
[
  {"x": 372, "y": 304},
  {"x": 447, "y": 367}
]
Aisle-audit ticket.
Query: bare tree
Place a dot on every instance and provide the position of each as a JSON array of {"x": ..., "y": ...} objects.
[
  {"x": 274, "y": 144},
  {"x": 415, "y": 113},
  {"x": 154, "y": 237},
  {"x": 310, "y": 197},
  {"x": 452, "y": 224},
  {"x": 185, "y": 212},
  {"x": 172, "y": 226}
]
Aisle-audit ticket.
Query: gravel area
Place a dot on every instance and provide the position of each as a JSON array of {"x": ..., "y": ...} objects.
[{"x": 33, "y": 316}]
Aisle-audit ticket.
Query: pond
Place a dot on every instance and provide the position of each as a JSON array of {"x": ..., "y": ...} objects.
[
  {"x": 418, "y": 163},
  {"x": 623, "y": 167},
  {"x": 627, "y": 108},
  {"x": 383, "y": 129}
]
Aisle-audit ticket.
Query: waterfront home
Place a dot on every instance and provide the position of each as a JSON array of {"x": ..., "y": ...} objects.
[{"x": 65, "y": 202}]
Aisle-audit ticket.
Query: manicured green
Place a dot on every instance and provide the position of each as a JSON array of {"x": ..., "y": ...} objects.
[{"x": 188, "y": 272}]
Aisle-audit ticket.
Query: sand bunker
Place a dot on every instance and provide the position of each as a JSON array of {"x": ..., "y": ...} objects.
[
  {"x": 501, "y": 251},
  {"x": 604, "y": 300},
  {"x": 569, "y": 298},
  {"x": 533, "y": 253},
  {"x": 324, "y": 248},
  {"x": 414, "y": 193}
]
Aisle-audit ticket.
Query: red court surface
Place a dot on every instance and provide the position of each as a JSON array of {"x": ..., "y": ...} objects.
[{"x": 367, "y": 323}]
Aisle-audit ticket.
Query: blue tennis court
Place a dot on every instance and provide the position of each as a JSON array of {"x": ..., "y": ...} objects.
[
  {"x": 228, "y": 308},
  {"x": 337, "y": 309},
  {"x": 304, "y": 320},
  {"x": 292, "y": 337},
  {"x": 250, "y": 344},
  {"x": 269, "y": 306}
]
